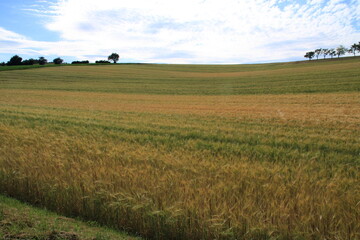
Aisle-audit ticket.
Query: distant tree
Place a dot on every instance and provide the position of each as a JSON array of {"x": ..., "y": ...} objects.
[
  {"x": 28, "y": 62},
  {"x": 309, "y": 55},
  {"x": 102, "y": 61},
  {"x": 33, "y": 61},
  {"x": 15, "y": 60},
  {"x": 58, "y": 60},
  {"x": 353, "y": 49},
  {"x": 332, "y": 52},
  {"x": 42, "y": 61},
  {"x": 340, "y": 50},
  {"x": 114, "y": 57},
  {"x": 3, "y": 64},
  {"x": 80, "y": 62},
  {"x": 317, "y": 53},
  {"x": 358, "y": 47},
  {"x": 324, "y": 52}
]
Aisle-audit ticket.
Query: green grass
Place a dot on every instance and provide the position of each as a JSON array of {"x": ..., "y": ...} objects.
[
  {"x": 279, "y": 78},
  {"x": 22, "y": 221},
  {"x": 24, "y": 67}
]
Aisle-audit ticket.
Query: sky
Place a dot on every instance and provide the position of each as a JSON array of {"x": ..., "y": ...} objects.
[{"x": 176, "y": 31}]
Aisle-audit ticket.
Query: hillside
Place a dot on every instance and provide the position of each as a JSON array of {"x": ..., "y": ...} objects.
[
  {"x": 277, "y": 78},
  {"x": 266, "y": 151}
]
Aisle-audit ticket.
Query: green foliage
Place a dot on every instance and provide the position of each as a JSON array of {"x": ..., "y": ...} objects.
[
  {"x": 42, "y": 61},
  {"x": 331, "y": 52},
  {"x": 317, "y": 52},
  {"x": 114, "y": 57},
  {"x": 309, "y": 55},
  {"x": 15, "y": 60},
  {"x": 102, "y": 62},
  {"x": 354, "y": 48},
  {"x": 58, "y": 61},
  {"x": 341, "y": 50},
  {"x": 324, "y": 52},
  {"x": 80, "y": 62}
]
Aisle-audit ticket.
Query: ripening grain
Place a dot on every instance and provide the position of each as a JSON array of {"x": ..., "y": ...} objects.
[{"x": 187, "y": 166}]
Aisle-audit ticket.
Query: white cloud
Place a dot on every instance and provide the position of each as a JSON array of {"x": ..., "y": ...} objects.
[
  {"x": 10, "y": 36},
  {"x": 198, "y": 31},
  {"x": 10, "y": 41}
]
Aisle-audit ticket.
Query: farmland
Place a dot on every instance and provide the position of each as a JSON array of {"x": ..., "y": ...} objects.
[{"x": 264, "y": 151}]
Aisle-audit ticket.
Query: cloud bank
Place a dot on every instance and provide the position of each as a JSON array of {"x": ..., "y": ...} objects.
[{"x": 192, "y": 31}]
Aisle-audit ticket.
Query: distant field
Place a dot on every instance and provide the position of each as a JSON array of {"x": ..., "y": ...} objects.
[
  {"x": 268, "y": 151},
  {"x": 278, "y": 78}
]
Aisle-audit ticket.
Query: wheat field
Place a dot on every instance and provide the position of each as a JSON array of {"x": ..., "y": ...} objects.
[{"x": 189, "y": 152}]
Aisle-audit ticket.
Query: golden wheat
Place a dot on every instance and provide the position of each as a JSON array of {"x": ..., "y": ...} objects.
[{"x": 187, "y": 167}]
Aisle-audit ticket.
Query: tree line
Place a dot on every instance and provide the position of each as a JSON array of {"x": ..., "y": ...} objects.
[
  {"x": 17, "y": 60},
  {"x": 339, "y": 51}
]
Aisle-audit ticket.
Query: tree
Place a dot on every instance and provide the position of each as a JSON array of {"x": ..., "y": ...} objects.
[
  {"x": 324, "y": 52},
  {"x": 353, "y": 48},
  {"x": 102, "y": 61},
  {"x": 80, "y": 62},
  {"x": 58, "y": 61},
  {"x": 309, "y": 55},
  {"x": 28, "y": 62},
  {"x": 332, "y": 52},
  {"x": 317, "y": 53},
  {"x": 15, "y": 60},
  {"x": 3, "y": 64},
  {"x": 340, "y": 50},
  {"x": 114, "y": 57},
  {"x": 42, "y": 61}
]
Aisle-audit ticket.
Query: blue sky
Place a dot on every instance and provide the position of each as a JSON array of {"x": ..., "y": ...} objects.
[{"x": 176, "y": 31}]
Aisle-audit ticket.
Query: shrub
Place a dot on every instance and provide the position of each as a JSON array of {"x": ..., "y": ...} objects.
[
  {"x": 80, "y": 62},
  {"x": 102, "y": 61},
  {"x": 29, "y": 62},
  {"x": 58, "y": 61},
  {"x": 15, "y": 60},
  {"x": 42, "y": 61}
]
